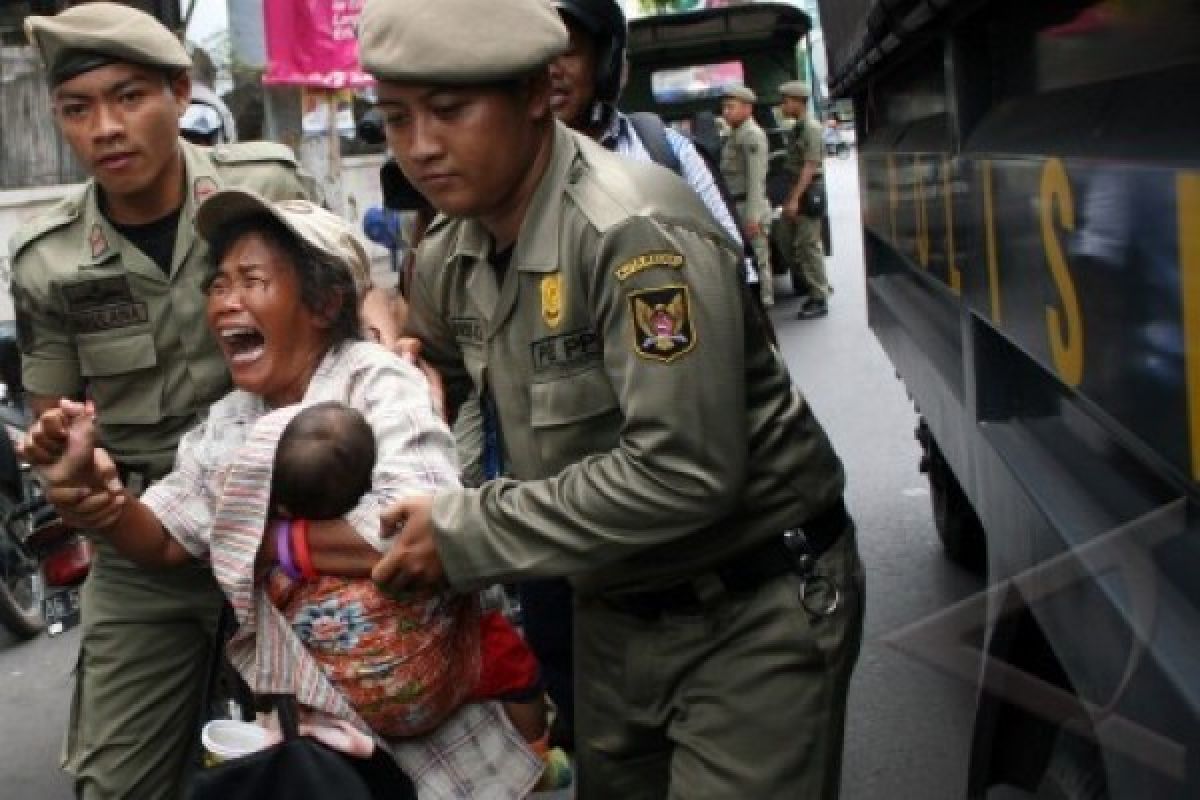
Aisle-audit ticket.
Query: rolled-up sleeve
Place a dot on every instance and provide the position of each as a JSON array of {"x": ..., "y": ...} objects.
[{"x": 183, "y": 501}]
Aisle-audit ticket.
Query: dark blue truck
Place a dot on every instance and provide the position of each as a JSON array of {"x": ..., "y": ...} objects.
[{"x": 1030, "y": 176}]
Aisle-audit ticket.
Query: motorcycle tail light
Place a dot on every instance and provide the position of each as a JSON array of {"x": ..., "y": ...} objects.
[{"x": 68, "y": 564}]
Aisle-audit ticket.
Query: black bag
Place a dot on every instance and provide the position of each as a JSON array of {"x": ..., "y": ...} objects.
[
  {"x": 812, "y": 202},
  {"x": 301, "y": 768}
]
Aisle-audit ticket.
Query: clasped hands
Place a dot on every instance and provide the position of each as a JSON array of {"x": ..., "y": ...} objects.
[{"x": 79, "y": 478}]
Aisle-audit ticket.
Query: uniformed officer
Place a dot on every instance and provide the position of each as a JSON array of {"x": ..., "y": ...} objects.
[
  {"x": 107, "y": 287},
  {"x": 806, "y": 156},
  {"x": 657, "y": 449},
  {"x": 744, "y": 158}
]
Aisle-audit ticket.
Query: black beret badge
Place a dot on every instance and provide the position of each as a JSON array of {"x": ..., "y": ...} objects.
[{"x": 662, "y": 329}]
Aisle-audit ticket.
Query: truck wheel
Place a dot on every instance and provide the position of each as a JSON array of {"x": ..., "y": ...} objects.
[
  {"x": 957, "y": 524},
  {"x": 22, "y": 588}
]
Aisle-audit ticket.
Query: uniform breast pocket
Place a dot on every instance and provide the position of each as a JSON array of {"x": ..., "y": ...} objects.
[
  {"x": 121, "y": 375},
  {"x": 573, "y": 417}
]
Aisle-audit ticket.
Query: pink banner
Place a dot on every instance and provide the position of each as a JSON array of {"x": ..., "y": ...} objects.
[{"x": 313, "y": 43}]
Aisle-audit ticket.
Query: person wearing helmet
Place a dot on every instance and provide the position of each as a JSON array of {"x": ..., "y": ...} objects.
[
  {"x": 650, "y": 445},
  {"x": 586, "y": 85}
]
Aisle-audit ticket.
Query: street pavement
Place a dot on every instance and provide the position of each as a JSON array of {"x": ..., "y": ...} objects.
[
  {"x": 908, "y": 728},
  {"x": 908, "y": 732}
]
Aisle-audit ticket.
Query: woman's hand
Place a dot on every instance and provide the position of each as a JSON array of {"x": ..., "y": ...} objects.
[
  {"x": 46, "y": 439},
  {"x": 85, "y": 507},
  {"x": 81, "y": 479}
]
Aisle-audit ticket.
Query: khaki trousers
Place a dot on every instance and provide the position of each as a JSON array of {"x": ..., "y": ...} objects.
[
  {"x": 143, "y": 667},
  {"x": 808, "y": 255},
  {"x": 762, "y": 254},
  {"x": 745, "y": 700}
]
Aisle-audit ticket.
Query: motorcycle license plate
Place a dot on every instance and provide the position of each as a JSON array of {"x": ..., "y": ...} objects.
[{"x": 61, "y": 610}]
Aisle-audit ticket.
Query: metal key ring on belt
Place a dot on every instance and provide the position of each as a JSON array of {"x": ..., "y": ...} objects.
[{"x": 813, "y": 588}]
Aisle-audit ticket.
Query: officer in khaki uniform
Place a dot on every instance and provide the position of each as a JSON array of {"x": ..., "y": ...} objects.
[
  {"x": 657, "y": 447},
  {"x": 744, "y": 158},
  {"x": 107, "y": 287},
  {"x": 805, "y": 163}
]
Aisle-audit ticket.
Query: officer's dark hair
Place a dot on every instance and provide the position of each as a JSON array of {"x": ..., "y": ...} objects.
[
  {"x": 321, "y": 275},
  {"x": 324, "y": 440},
  {"x": 604, "y": 21}
]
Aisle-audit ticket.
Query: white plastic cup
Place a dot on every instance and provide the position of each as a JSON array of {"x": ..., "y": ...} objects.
[{"x": 225, "y": 739}]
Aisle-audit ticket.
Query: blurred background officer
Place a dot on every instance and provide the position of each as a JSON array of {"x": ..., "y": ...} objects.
[
  {"x": 654, "y": 448},
  {"x": 106, "y": 287},
  {"x": 805, "y": 205},
  {"x": 744, "y": 164}
]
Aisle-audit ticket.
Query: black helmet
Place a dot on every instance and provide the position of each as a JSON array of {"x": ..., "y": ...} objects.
[{"x": 605, "y": 21}]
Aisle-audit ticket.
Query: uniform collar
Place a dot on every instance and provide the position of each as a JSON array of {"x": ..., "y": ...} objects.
[
  {"x": 102, "y": 242},
  {"x": 537, "y": 243}
]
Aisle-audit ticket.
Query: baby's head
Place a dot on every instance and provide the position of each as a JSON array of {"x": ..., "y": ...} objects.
[{"x": 323, "y": 462}]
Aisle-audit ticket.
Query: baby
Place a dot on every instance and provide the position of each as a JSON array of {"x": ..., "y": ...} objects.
[{"x": 379, "y": 650}]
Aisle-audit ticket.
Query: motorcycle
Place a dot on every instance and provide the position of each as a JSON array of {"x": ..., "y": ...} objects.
[{"x": 42, "y": 561}]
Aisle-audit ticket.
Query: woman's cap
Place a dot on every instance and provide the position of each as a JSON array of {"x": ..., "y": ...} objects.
[
  {"x": 316, "y": 227},
  {"x": 458, "y": 42},
  {"x": 93, "y": 35}
]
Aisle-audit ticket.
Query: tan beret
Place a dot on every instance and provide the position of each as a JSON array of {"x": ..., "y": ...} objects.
[
  {"x": 740, "y": 93},
  {"x": 322, "y": 230},
  {"x": 458, "y": 41},
  {"x": 92, "y": 35},
  {"x": 795, "y": 89}
]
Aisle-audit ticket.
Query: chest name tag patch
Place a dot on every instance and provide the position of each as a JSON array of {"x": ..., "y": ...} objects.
[
  {"x": 96, "y": 293},
  {"x": 647, "y": 261},
  {"x": 467, "y": 329},
  {"x": 662, "y": 329}
]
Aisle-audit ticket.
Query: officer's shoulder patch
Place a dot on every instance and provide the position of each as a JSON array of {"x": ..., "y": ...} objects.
[
  {"x": 662, "y": 323},
  {"x": 59, "y": 215},
  {"x": 656, "y": 258},
  {"x": 250, "y": 152}
]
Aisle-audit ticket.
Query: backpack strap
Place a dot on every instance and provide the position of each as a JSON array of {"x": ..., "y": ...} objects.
[{"x": 653, "y": 133}]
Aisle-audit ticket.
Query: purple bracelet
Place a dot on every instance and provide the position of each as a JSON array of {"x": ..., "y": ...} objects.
[{"x": 283, "y": 548}]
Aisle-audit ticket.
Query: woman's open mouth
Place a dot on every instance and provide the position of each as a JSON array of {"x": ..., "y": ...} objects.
[{"x": 242, "y": 345}]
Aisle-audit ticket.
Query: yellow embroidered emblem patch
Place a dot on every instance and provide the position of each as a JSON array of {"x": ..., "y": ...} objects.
[
  {"x": 662, "y": 323},
  {"x": 552, "y": 300},
  {"x": 648, "y": 260}
]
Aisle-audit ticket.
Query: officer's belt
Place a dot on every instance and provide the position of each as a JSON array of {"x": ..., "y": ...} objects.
[{"x": 740, "y": 573}]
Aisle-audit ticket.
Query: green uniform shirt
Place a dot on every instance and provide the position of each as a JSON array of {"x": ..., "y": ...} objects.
[
  {"x": 644, "y": 437},
  {"x": 94, "y": 312},
  {"x": 805, "y": 144},
  {"x": 744, "y": 160}
]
